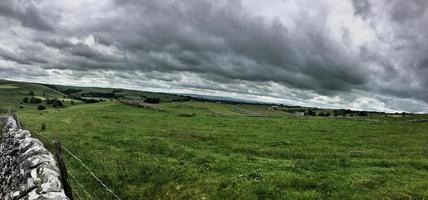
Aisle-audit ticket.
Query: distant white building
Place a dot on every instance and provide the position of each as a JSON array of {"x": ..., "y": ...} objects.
[
  {"x": 272, "y": 108},
  {"x": 299, "y": 114}
]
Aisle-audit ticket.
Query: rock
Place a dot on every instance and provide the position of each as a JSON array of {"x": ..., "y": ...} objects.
[{"x": 29, "y": 171}]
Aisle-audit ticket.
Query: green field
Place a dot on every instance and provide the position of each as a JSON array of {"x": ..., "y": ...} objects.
[{"x": 208, "y": 150}]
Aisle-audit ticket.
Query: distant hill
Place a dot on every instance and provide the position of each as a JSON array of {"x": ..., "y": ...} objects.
[
  {"x": 12, "y": 94},
  {"x": 223, "y": 99}
]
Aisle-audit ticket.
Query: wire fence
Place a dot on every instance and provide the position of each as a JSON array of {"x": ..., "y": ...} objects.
[
  {"x": 102, "y": 184},
  {"x": 80, "y": 185}
]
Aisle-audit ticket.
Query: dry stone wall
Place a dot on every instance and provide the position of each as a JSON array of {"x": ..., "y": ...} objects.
[{"x": 27, "y": 170}]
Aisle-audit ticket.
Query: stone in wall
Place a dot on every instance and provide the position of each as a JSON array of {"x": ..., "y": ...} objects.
[{"x": 27, "y": 170}]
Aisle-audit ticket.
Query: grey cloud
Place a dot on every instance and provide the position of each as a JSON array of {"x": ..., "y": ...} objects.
[
  {"x": 57, "y": 43},
  {"x": 407, "y": 10},
  {"x": 83, "y": 50},
  {"x": 10, "y": 56},
  {"x": 26, "y": 13},
  {"x": 261, "y": 50},
  {"x": 361, "y": 7},
  {"x": 24, "y": 57},
  {"x": 222, "y": 45}
]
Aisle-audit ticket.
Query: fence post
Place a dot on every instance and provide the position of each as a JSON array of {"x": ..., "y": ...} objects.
[
  {"x": 16, "y": 120},
  {"x": 62, "y": 170}
]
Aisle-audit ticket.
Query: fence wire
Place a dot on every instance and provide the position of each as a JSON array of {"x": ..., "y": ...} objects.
[
  {"x": 79, "y": 184},
  {"x": 104, "y": 186}
]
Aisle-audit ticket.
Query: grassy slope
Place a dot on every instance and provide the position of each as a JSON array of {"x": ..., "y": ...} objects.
[
  {"x": 200, "y": 108},
  {"x": 129, "y": 94},
  {"x": 12, "y": 93},
  {"x": 148, "y": 154}
]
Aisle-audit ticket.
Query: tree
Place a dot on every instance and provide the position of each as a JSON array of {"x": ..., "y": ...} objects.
[
  {"x": 57, "y": 103},
  {"x": 41, "y": 107},
  {"x": 89, "y": 100},
  {"x": 25, "y": 100},
  {"x": 35, "y": 100},
  {"x": 339, "y": 112},
  {"x": 152, "y": 100},
  {"x": 310, "y": 112},
  {"x": 363, "y": 114},
  {"x": 49, "y": 101},
  {"x": 335, "y": 113}
]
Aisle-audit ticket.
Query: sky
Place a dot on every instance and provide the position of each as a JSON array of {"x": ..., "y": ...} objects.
[{"x": 356, "y": 54}]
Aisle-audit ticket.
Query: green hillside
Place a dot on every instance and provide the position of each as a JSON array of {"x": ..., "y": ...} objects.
[
  {"x": 213, "y": 150},
  {"x": 12, "y": 94}
]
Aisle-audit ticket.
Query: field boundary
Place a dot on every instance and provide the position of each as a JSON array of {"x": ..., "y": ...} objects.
[
  {"x": 104, "y": 185},
  {"x": 29, "y": 169}
]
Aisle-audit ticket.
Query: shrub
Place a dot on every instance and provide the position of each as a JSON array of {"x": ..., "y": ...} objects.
[
  {"x": 49, "y": 101},
  {"x": 31, "y": 93},
  {"x": 89, "y": 100},
  {"x": 57, "y": 103},
  {"x": 25, "y": 100},
  {"x": 43, "y": 127},
  {"x": 70, "y": 91},
  {"x": 187, "y": 115},
  {"x": 35, "y": 100},
  {"x": 101, "y": 95},
  {"x": 363, "y": 114},
  {"x": 337, "y": 112},
  {"x": 41, "y": 107},
  {"x": 72, "y": 102},
  {"x": 310, "y": 112},
  {"x": 152, "y": 100}
]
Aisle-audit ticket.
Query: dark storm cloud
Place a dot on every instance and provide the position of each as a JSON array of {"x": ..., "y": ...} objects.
[
  {"x": 26, "y": 13},
  {"x": 204, "y": 37},
  {"x": 24, "y": 57},
  {"x": 361, "y": 7},
  {"x": 57, "y": 43},
  {"x": 6, "y": 55},
  {"x": 229, "y": 45},
  {"x": 408, "y": 10},
  {"x": 409, "y": 40}
]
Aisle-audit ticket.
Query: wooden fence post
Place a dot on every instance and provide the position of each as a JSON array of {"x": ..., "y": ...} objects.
[
  {"x": 16, "y": 120},
  {"x": 62, "y": 170}
]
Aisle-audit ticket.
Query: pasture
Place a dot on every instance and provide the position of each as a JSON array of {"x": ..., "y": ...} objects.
[
  {"x": 209, "y": 150},
  {"x": 163, "y": 155}
]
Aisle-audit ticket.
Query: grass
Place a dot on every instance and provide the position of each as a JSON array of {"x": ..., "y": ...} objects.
[
  {"x": 8, "y": 86},
  {"x": 12, "y": 94},
  {"x": 129, "y": 94},
  {"x": 206, "y": 150},
  {"x": 221, "y": 153},
  {"x": 201, "y": 108}
]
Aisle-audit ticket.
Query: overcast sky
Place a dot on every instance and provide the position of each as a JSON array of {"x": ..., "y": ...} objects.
[{"x": 357, "y": 54}]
